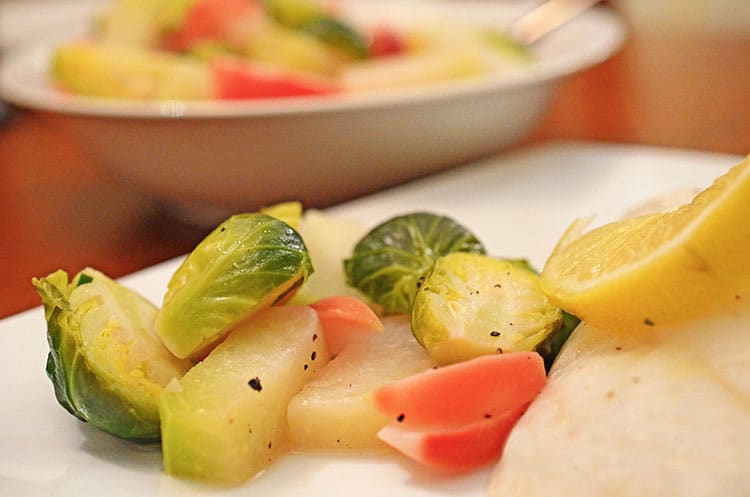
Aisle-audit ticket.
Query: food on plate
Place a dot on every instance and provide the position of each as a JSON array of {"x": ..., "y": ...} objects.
[
  {"x": 334, "y": 411},
  {"x": 457, "y": 449},
  {"x": 444, "y": 52},
  {"x": 329, "y": 240},
  {"x": 251, "y": 49},
  {"x": 250, "y": 261},
  {"x": 652, "y": 412},
  {"x": 470, "y": 305},
  {"x": 289, "y": 212},
  {"x": 465, "y": 392},
  {"x": 225, "y": 420},
  {"x": 625, "y": 407},
  {"x": 97, "y": 70},
  {"x": 650, "y": 395},
  {"x": 658, "y": 269},
  {"x": 105, "y": 361},
  {"x": 313, "y": 19},
  {"x": 550, "y": 347},
  {"x": 457, "y": 417},
  {"x": 346, "y": 320},
  {"x": 389, "y": 262}
]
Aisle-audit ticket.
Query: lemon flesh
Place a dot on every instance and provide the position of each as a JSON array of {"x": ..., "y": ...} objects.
[{"x": 658, "y": 269}]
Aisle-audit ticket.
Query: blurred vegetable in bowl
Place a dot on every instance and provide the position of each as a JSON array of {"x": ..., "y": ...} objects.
[
  {"x": 176, "y": 49},
  {"x": 193, "y": 154}
]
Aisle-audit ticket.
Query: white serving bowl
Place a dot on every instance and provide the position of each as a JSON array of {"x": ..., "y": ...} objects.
[{"x": 228, "y": 156}]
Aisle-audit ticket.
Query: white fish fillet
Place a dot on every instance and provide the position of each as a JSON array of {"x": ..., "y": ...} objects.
[{"x": 663, "y": 414}]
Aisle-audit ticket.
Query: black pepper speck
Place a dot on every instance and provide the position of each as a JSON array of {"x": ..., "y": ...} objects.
[{"x": 255, "y": 384}]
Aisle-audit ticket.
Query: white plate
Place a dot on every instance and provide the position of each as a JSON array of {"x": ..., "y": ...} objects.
[{"x": 517, "y": 204}]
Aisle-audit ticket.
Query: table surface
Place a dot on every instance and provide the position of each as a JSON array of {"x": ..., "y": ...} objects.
[{"x": 59, "y": 209}]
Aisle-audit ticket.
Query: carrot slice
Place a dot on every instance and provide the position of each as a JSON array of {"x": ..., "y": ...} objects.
[
  {"x": 461, "y": 449},
  {"x": 464, "y": 392},
  {"x": 345, "y": 320}
]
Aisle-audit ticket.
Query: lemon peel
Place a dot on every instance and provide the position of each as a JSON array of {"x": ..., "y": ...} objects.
[{"x": 658, "y": 269}]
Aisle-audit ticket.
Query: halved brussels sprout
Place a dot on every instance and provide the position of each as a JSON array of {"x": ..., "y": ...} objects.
[
  {"x": 551, "y": 346},
  {"x": 249, "y": 262},
  {"x": 106, "y": 363},
  {"x": 471, "y": 305},
  {"x": 389, "y": 262}
]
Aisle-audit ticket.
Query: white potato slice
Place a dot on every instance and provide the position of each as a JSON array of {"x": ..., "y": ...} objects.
[{"x": 666, "y": 413}]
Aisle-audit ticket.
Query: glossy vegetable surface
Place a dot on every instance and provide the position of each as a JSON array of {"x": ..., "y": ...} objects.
[
  {"x": 334, "y": 411},
  {"x": 106, "y": 363},
  {"x": 389, "y": 263},
  {"x": 463, "y": 393},
  {"x": 471, "y": 305},
  {"x": 457, "y": 418},
  {"x": 346, "y": 320},
  {"x": 225, "y": 420},
  {"x": 248, "y": 262}
]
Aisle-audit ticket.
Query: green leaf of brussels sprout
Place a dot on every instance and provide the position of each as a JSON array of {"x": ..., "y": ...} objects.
[
  {"x": 250, "y": 261},
  {"x": 105, "y": 362},
  {"x": 388, "y": 264}
]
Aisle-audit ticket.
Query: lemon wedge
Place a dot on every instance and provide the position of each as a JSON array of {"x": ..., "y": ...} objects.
[{"x": 658, "y": 269}]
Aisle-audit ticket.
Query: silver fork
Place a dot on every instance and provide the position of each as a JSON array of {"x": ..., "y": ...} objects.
[{"x": 546, "y": 18}]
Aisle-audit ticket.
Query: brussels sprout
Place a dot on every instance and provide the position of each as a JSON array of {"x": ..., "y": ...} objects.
[
  {"x": 338, "y": 34},
  {"x": 471, "y": 305},
  {"x": 551, "y": 346},
  {"x": 310, "y": 17},
  {"x": 389, "y": 262},
  {"x": 249, "y": 262},
  {"x": 106, "y": 363}
]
